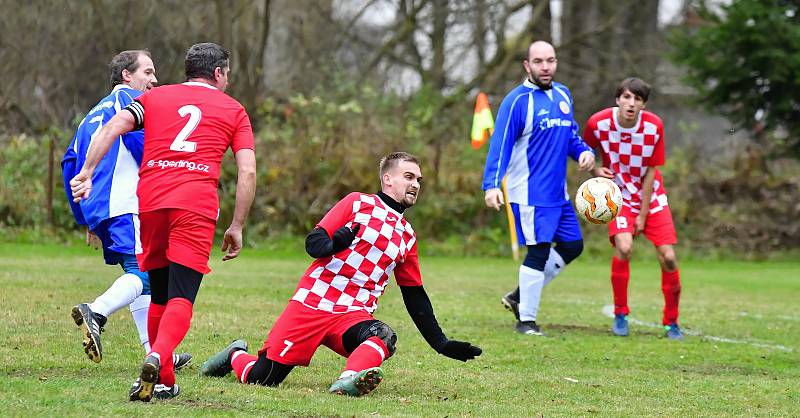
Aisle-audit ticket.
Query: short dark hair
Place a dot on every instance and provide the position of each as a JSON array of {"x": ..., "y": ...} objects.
[
  {"x": 636, "y": 86},
  {"x": 203, "y": 58},
  {"x": 389, "y": 161},
  {"x": 125, "y": 60}
]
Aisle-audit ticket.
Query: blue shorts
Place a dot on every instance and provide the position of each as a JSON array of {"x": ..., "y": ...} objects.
[
  {"x": 542, "y": 224},
  {"x": 120, "y": 238}
]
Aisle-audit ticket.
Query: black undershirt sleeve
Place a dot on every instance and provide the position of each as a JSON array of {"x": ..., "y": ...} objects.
[
  {"x": 319, "y": 244},
  {"x": 421, "y": 311}
]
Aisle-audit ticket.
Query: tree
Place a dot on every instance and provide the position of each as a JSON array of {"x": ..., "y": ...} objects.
[{"x": 744, "y": 61}]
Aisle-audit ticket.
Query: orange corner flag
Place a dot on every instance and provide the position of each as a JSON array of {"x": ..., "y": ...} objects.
[{"x": 482, "y": 121}]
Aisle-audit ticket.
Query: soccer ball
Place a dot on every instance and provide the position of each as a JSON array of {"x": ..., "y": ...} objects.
[{"x": 598, "y": 200}]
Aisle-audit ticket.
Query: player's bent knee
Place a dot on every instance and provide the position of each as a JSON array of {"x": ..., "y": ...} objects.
[
  {"x": 670, "y": 263},
  {"x": 667, "y": 258},
  {"x": 537, "y": 256},
  {"x": 365, "y": 330},
  {"x": 384, "y": 332},
  {"x": 569, "y": 250},
  {"x": 625, "y": 249}
]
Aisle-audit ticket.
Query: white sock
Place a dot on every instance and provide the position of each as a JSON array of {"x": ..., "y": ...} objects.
[
  {"x": 555, "y": 264},
  {"x": 139, "y": 309},
  {"x": 530, "y": 292},
  {"x": 122, "y": 293}
]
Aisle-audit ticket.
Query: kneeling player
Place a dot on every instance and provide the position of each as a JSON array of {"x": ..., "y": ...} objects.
[{"x": 358, "y": 243}]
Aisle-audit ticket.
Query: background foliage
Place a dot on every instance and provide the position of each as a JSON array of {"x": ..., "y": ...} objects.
[{"x": 333, "y": 85}]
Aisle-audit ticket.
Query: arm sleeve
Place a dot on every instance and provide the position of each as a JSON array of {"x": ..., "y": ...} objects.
[
  {"x": 243, "y": 134},
  {"x": 576, "y": 145},
  {"x": 507, "y": 127},
  {"x": 407, "y": 273},
  {"x": 421, "y": 311},
  {"x": 591, "y": 139},
  {"x": 69, "y": 168},
  {"x": 339, "y": 215},
  {"x": 588, "y": 133},
  {"x": 657, "y": 159},
  {"x": 134, "y": 140},
  {"x": 319, "y": 244}
]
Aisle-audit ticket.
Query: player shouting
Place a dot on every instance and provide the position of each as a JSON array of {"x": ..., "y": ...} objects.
[{"x": 361, "y": 241}]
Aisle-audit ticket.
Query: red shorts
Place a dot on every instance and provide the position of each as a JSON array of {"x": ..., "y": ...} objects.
[
  {"x": 659, "y": 228},
  {"x": 300, "y": 330},
  {"x": 175, "y": 235}
]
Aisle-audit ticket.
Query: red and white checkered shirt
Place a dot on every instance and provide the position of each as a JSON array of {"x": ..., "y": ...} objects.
[
  {"x": 354, "y": 278},
  {"x": 629, "y": 153}
]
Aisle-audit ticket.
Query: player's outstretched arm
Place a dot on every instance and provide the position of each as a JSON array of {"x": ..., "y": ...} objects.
[
  {"x": 245, "y": 192},
  {"x": 421, "y": 311},
  {"x": 320, "y": 245},
  {"x": 81, "y": 184}
]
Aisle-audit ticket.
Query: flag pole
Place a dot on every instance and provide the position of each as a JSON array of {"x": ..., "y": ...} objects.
[
  {"x": 512, "y": 229},
  {"x": 482, "y": 128}
]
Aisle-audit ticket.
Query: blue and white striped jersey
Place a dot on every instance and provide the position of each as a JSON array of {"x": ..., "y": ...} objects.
[
  {"x": 116, "y": 176},
  {"x": 534, "y": 132}
]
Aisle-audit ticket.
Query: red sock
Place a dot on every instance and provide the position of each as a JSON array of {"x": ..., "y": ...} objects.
[
  {"x": 671, "y": 287},
  {"x": 153, "y": 319},
  {"x": 620, "y": 276},
  {"x": 370, "y": 353},
  {"x": 176, "y": 320},
  {"x": 242, "y": 363}
]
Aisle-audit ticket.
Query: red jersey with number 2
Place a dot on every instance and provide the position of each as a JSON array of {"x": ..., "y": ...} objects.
[{"x": 189, "y": 127}]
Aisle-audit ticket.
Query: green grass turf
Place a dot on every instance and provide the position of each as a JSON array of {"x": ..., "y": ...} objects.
[{"x": 579, "y": 369}]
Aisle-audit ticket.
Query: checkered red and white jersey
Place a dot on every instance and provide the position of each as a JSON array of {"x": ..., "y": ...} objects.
[
  {"x": 629, "y": 153},
  {"x": 354, "y": 278}
]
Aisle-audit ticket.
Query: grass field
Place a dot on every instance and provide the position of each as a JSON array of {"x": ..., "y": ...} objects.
[{"x": 742, "y": 359}]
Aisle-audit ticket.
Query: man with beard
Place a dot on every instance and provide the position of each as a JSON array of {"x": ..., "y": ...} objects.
[
  {"x": 356, "y": 246},
  {"x": 534, "y": 133}
]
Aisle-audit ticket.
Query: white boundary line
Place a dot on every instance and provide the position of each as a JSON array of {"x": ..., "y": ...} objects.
[{"x": 608, "y": 311}]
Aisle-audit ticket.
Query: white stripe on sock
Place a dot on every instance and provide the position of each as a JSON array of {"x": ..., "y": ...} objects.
[
  {"x": 237, "y": 353},
  {"x": 376, "y": 347},
  {"x": 246, "y": 369}
]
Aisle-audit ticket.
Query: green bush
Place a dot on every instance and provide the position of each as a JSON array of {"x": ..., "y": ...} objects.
[{"x": 313, "y": 150}]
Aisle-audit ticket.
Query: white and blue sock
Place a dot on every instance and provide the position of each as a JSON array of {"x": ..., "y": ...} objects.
[
  {"x": 555, "y": 264},
  {"x": 122, "y": 293},
  {"x": 139, "y": 309},
  {"x": 530, "y": 292}
]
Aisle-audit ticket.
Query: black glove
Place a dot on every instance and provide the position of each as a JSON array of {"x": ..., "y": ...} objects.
[
  {"x": 343, "y": 237},
  {"x": 460, "y": 350}
]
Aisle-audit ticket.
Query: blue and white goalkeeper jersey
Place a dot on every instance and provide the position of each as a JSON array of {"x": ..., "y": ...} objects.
[
  {"x": 534, "y": 132},
  {"x": 116, "y": 176}
]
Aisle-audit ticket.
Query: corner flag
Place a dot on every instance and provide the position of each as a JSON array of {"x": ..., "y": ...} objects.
[{"x": 482, "y": 121}]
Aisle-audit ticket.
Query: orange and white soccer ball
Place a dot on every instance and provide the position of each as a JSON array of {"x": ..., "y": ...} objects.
[{"x": 598, "y": 200}]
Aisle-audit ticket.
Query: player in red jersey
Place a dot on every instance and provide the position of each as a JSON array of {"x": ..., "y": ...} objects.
[
  {"x": 356, "y": 246},
  {"x": 632, "y": 141},
  {"x": 189, "y": 127}
]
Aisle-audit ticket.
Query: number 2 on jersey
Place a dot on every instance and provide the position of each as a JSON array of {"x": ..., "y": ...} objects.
[{"x": 180, "y": 143}]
